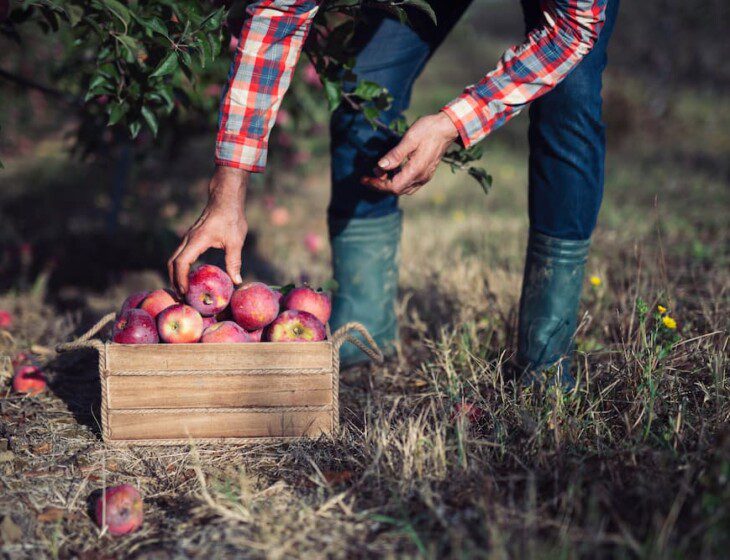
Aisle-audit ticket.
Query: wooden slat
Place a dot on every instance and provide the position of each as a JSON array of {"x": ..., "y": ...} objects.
[
  {"x": 185, "y": 424},
  {"x": 226, "y": 391},
  {"x": 219, "y": 357}
]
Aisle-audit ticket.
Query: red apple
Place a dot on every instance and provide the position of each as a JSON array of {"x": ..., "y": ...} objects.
[
  {"x": 29, "y": 380},
  {"x": 254, "y": 305},
  {"x": 157, "y": 301},
  {"x": 135, "y": 326},
  {"x": 133, "y": 301},
  {"x": 295, "y": 326},
  {"x": 6, "y": 319},
  {"x": 313, "y": 242},
  {"x": 209, "y": 290},
  {"x": 468, "y": 410},
  {"x": 305, "y": 298},
  {"x": 180, "y": 323},
  {"x": 120, "y": 509},
  {"x": 208, "y": 321},
  {"x": 256, "y": 335},
  {"x": 225, "y": 331}
]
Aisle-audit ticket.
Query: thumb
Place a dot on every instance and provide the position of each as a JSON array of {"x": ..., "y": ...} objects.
[
  {"x": 233, "y": 262},
  {"x": 397, "y": 155}
]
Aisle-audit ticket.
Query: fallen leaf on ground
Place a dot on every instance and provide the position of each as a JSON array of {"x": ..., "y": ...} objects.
[
  {"x": 50, "y": 513},
  {"x": 334, "y": 478},
  {"x": 9, "y": 531}
]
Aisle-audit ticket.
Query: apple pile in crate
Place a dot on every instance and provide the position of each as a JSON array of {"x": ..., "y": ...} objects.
[{"x": 214, "y": 312}]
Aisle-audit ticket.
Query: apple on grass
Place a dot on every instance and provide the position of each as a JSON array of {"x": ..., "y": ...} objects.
[
  {"x": 305, "y": 298},
  {"x": 254, "y": 306},
  {"x": 120, "y": 509},
  {"x": 135, "y": 326},
  {"x": 180, "y": 323},
  {"x": 295, "y": 326},
  {"x": 225, "y": 331},
  {"x": 6, "y": 319},
  {"x": 157, "y": 301},
  {"x": 209, "y": 290},
  {"x": 29, "y": 380}
]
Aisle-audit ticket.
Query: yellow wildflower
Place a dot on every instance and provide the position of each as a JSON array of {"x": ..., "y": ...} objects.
[
  {"x": 670, "y": 323},
  {"x": 458, "y": 215},
  {"x": 595, "y": 281},
  {"x": 661, "y": 309}
]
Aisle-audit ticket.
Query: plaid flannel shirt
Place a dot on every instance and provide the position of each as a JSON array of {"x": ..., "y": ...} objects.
[{"x": 271, "y": 41}]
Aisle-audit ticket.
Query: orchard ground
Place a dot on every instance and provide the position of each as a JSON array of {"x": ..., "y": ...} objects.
[{"x": 635, "y": 463}]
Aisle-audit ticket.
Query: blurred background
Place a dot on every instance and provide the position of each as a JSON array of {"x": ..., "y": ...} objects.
[{"x": 88, "y": 221}]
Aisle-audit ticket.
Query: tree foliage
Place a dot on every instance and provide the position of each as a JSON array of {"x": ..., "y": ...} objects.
[{"x": 143, "y": 66}]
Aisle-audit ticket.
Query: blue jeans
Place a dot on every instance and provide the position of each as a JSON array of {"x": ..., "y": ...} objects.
[{"x": 566, "y": 134}]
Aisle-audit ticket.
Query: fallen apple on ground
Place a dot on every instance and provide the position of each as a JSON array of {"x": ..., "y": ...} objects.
[
  {"x": 135, "y": 326},
  {"x": 225, "y": 331},
  {"x": 29, "y": 380},
  {"x": 120, "y": 509},
  {"x": 255, "y": 305},
  {"x": 210, "y": 290},
  {"x": 305, "y": 298},
  {"x": 295, "y": 326},
  {"x": 6, "y": 319}
]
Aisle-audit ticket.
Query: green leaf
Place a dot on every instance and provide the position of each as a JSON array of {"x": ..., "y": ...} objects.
[
  {"x": 116, "y": 112},
  {"x": 482, "y": 177},
  {"x": 131, "y": 44},
  {"x": 424, "y": 6},
  {"x": 151, "y": 120},
  {"x": 333, "y": 92},
  {"x": 168, "y": 65},
  {"x": 371, "y": 114},
  {"x": 119, "y": 10},
  {"x": 367, "y": 91},
  {"x": 134, "y": 128}
]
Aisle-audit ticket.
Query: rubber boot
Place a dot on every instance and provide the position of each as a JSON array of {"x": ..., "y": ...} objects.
[
  {"x": 365, "y": 267},
  {"x": 551, "y": 291}
]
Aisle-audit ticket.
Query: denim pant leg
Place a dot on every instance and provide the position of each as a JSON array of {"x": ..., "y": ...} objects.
[
  {"x": 568, "y": 144},
  {"x": 391, "y": 54}
]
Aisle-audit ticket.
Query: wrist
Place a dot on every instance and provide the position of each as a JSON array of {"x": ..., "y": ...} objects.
[
  {"x": 446, "y": 127},
  {"x": 228, "y": 184}
]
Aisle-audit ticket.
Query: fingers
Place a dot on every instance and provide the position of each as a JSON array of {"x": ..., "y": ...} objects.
[
  {"x": 171, "y": 260},
  {"x": 195, "y": 247},
  {"x": 397, "y": 155},
  {"x": 233, "y": 261}
]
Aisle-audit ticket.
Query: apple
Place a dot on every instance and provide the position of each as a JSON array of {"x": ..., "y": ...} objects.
[
  {"x": 157, "y": 301},
  {"x": 29, "y": 380},
  {"x": 305, "y": 298},
  {"x": 180, "y": 323},
  {"x": 254, "y": 305},
  {"x": 225, "y": 331},
  {"x": 209, "y": 290},
  {"x": 472, "y": 412},
  {"x": 133, "y": 301},
  {"x": 135, "y": 326},
  {"x": 295, "y": 326},
  {"x": 208, "y": 321},
  {"x": 313, "y": 242},
  {"x": 6, "y": 319},
  {"x": 256, "y": 335},
  {"x": 120, "y": 509}
]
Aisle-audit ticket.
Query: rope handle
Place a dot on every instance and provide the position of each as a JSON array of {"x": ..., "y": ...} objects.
[
  {"x": 370, "y": 349},
  {"x": 86, "y": 340}
]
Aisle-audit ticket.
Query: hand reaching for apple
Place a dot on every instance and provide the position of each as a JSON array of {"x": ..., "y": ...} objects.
[
  {"x": 419, "y": 153},
  {"x": 222, "y": 225}
]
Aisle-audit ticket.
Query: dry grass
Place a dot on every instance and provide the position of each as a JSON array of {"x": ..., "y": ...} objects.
[{"x": 635, "y": 463}]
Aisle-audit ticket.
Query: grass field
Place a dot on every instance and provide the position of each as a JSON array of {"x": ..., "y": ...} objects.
[{"x": 634, "y": 463}]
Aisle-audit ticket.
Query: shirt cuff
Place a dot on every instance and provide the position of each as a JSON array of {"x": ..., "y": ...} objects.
[
  {"x": 238, "y": 151},
  {"x": 471, "y": 117}
]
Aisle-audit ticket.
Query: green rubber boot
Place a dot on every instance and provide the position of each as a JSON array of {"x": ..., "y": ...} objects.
[
  {"x": 549, "y": 309},
  {"x": 365, "y": 267}
]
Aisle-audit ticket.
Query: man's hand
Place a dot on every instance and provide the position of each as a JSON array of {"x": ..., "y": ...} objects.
[
  {"x": 421, "y": 148},
  {"x": 222, "y": 225}
]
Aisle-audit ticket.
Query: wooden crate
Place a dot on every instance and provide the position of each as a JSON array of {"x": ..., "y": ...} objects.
[{"x": 171, "y": 394}]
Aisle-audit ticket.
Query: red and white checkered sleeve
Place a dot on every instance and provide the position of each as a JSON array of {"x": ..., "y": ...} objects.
[
  {"x": 270, "y": 43},
  {"x": 527, "y": 71}
]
